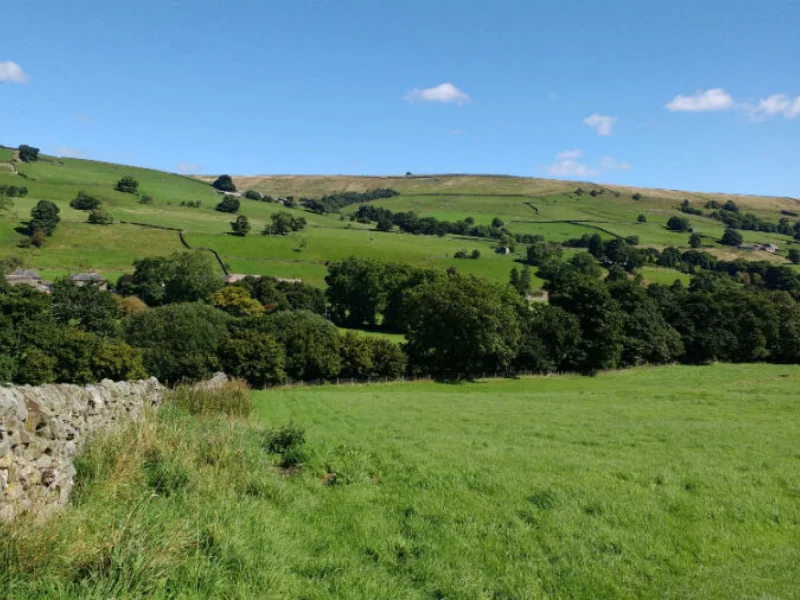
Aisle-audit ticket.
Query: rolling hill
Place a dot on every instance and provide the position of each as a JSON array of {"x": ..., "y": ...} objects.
[{"x": 551, "y": 208}]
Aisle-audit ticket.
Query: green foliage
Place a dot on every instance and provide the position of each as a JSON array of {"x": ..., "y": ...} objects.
[
  {"x": 680, "y": 224},
  {"x": 100, "y": 217},
  {"x": 551, "y": 339},
  {"x": 128, "y": 185},
  {"x": 284, "y": 222},
  {"x": 254, "y": 356},
  {"x": 86, "y": 307},
  {"x": 641, "y": 219},
  {"x": 236, "y": 301},
  {"x": 179, "y": 341},
  {"x": 147, "y": 200},
  {"x": 240, "y": 226},
  {"x": 695, "y": 240},
  {"x": 117, "y": 361},
  {"x": 28, "y": 154},
  {"x": 731, "y": 237},
  {"x": 45, "y": 217},
  {"x": 228, "y": 204},
  {"x": 311, "y": 343},
  {"x": 181, "y": 277},
  {"x": 288, "y": 442},
  {"x": 84, "y": 201},
  {"x": 461, "y": 327},
  {"x": 793, "y": 255},
  {"x": 251, "y": 195},
  {"x": 224, "y": 183},
  {"x": 232, "y": 399},
  {"x": 284, "y": 295},
  {"x": 540, "y": 252}
]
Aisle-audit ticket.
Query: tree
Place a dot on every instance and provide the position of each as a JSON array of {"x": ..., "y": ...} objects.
[
  {"x": 224, "y": 183},
  {"x": 680, "y": 224},
  {"x": 127, "y": 185},
  {"x": 585, "y": 264},
  {"x": 117, "y": 361},
  {"x": 731, "y": 206},
  {"x": 28, "y": 153},
  {"x": 181, "y": 277},
  {"x": 731, "y": 237},
  {"x": 463, "y": 326},
  {"x": 794, "y": 255},
  {"x": 497, "y": 223},
  {"x": 550, "y": 340},
  {"x": 310, "y": 341},
  {"x": 45, "y": 216},
  {"x": 84, "y": 201},
  {"x": 86, "y": 307},
  {"x": 229, "y": 204},
  {"x": 147, "y": 199},
  {"x": 236, "y": 301},
  {"x": 641, "y": 219},
  {"x": 284, "y": 222},
  {"x": 695, "y": 240},
  {"x": 525, "y": 281},
  {"x": 384, "y": 224},
  {"x": 513, "y": 278},
  {"x": 252, "y": 195},
  {"x": 180, "y": 341},
  {"x": 254, "y": 356},
  {"x": 475, "y": 254},
  {"x": 100, "y": 217},
  {"x": 240, "y": 226},
  {"x": 541, "y": 251}
]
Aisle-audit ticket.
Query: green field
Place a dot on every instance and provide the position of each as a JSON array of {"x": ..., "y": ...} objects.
[
  {"x": 562, "y": 214},
  {"x": 671, "y": 482}
]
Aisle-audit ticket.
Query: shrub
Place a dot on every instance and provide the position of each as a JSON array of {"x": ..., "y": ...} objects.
[
  {"x": 253, "y": 195},
  {"x": 794, "y": 255},
  {"x": 731, "y": 237},
  {"x": 695, "y": 240},
  {"x": 84, "y": 201},
  {"x": 100, "y": 217},
  {"x": 288, "y": 442},
  {"x": 229, "y": 204},
  {"x": 475, "y": 254},
  {"x": 233, "y": 399},
  {"x": 240, "y": 226},
  {"x": 678, "y": 224},
  {"x": 127, "y": 185},
  {"x": 45, "y": 216},
  {"x": 254, "y": 356},
  {"x": 146, "y": 199},
  {"x": 641, "y": 219}
]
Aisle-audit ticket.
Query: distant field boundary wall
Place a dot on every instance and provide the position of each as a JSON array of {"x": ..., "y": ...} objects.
[
  {"x": 183, "y": 241},
  {"x": 42, "y": 429}
]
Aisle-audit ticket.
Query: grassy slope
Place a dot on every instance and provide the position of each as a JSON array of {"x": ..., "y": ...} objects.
[
  {"x": 111, "y": 250},
  {"x": 672, "y": 483}
]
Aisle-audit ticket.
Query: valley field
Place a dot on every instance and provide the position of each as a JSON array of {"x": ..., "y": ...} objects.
[
  {"x": 549, "y": 208},
  {"x": 669, "y": 482}
]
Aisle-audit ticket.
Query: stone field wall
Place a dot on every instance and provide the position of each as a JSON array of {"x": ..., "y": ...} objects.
[{"x": 43, "y": 427}]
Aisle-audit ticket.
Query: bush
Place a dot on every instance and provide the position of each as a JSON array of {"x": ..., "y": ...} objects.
[
  {"x": 641, "y": 219},
  {"x": 84, "y": 201},
  {"x": 146, "y": 199},
  {"x": 127, "y": 185},
  {"x": 476, "y": 254},
  {"x": 252, "y": 195},
  {"x": 731, "y": 237},
  {"x": 240, "y": 226},
  {"x": 253, "y": 356},
  {"x": 289, "y": 443},
  {"x": 233, "y": 399},
  {"x": 28, "y": 153},
  {"x": 678, "y": 224},
  {"x": 224, "y": 183},
  {"x": 45, "y": 217},
  {"x": 229, "y": 204},
  {"x": 100, "y": 217},
  {"x": 794, "y": 256}
]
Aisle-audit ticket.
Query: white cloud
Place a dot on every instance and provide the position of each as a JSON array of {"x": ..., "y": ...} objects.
[
  {"x": 11, "y": 71},
  {"x": 602, "y": 124},
  {"x": 444, "y": 92},
  {"x": 567, "y": 165},
  {"x": 69, "y": 152},
  {"x": 776, "y": 104},
  {"x": 457, "y": 132},
  {"x": 701, "y": 101},
  {"x": 188, "y": 168}
]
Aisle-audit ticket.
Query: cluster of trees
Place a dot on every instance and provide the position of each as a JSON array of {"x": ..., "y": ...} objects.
[
  {"x": 283, "y": 222},
  {"x": 229, "y": 204},
  {"x": 45, "y": 217},
  {"x": 224, "y": 183},
  {"x": 410, "y": 222},
  {"x": 474, "y": 255},
  {"x": 192, "y": 203},
  {"x": 87, "y": 202},
  {"x": 13, "y": 191},
  {"x": 333, "y": 203},
  {"x": 734, "y": 219}
]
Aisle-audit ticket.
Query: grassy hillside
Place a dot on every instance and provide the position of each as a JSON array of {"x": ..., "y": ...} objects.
[
  {"x": 673, "y": 483},
  {"x": 535, "y": 206}
]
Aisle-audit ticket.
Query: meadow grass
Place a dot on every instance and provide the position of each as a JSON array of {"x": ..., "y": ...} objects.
[{"x": 670, "y": 482}]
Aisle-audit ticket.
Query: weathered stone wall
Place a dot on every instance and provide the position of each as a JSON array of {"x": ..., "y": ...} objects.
[{"x": 43, "y": 427}]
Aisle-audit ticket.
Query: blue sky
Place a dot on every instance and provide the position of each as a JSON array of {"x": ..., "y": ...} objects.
[{"x": 699, "y": 95}]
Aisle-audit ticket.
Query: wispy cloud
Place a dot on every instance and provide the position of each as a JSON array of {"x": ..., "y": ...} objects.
[
  {"x": 772, "y": 106},
  {"x": 12, "y": 72},
  {"x": 445, "y": 93},
  {"x": 602, "y": 124},
  {"x": 702, "y": 101},
  {"x": 188, "y": 168},
  {"x": 69, "y": 152},
  {"x": 567, "y": 164}
]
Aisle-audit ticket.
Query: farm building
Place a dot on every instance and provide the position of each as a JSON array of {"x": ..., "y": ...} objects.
[{"x": 84, "y": 278}]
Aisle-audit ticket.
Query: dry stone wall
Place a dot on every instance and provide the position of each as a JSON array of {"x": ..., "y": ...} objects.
[{"x": 42, "y": 428}]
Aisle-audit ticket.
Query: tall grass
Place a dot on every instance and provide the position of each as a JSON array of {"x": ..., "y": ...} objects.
[{"x": 232, "y": 399}]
